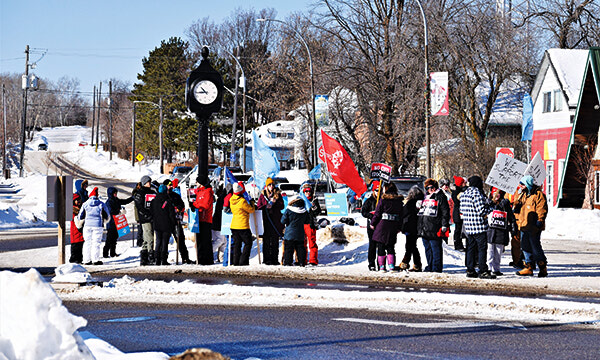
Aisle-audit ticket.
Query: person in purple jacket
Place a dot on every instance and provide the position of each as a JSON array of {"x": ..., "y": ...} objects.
[{"x": 387, "y": 223}]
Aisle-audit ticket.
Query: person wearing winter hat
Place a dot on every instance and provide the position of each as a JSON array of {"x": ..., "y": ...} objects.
[
  {"x": 531, "y": 217},
  {"x": 501, "y": 224},
  {"x": 240, "y": 225},
  {"x": 413, "y": 202},
  {"x": 81, "y": 186},
  {"x": 270, "y": 202},
  {"x": 457, "y": 235},
  {"x": 142, "y": 199},
  {"x": 314, "y": 209},
  {"x": 474, "y": 209},
  {"x": 179, "y": 205},
  {"x": 114, "y": 205},
  {"x": 367, "y": 211},
  {"x": 163, "y": 223},
  {"x": 387, "y": 223},
  {"x": 76, "y": 233},
  {"x": 294, "y": 218},
  {"x": 205, "y": 198},
  {"x": 94, "y": 212},
  {"x": 433, "y": 224}
]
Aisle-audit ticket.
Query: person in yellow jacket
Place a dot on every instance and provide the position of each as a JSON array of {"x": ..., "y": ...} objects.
[
  {"x": 240, "y": 225},
  {"x": 531, "y": 209}
]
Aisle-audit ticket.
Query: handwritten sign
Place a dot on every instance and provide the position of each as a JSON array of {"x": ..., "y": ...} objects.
[
  {"x": 122, "y": 225},
  {"x": 537, "y": 169},
  {"x": 506, "y": 173},
  {"x": 336, "y": 204}
]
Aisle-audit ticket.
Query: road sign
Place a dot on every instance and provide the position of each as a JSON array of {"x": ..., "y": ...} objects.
[
  {"x": 139, "y": 157},
  {"x": 507, "y": 151}
]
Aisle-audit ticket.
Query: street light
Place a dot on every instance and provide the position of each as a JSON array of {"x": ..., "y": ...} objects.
[
  {"x": 312, "y": 86},
  {"x": 427, "y": 92},
  {"x": 160, "y": 130},
  {"x": 243, "y": 84}
]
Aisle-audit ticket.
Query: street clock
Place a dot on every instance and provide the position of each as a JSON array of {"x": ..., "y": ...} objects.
[{"x": 204, "y": 89}]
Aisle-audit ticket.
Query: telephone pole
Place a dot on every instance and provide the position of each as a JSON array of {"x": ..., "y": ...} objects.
[
  {"x": 110, "y": 119},
  {"x": 25, "y": 85},
  {"x": 4, "y": 166},
  {"x": 98, "y": 117},
  {"x": 93, "y": 115}
]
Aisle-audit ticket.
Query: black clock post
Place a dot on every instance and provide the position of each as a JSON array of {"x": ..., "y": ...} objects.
[{"x": 204, "y": 96}]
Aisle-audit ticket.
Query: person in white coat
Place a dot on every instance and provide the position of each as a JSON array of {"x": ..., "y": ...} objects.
[{"x": 93, "y": 212}]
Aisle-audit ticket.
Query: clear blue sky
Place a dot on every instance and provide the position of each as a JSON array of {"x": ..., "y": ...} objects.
[{"x": 98, "y": 40}]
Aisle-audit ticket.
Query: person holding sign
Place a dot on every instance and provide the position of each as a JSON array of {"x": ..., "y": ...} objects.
[
  {"x": 387, "y": 223},
  {"x": 163, "y": 223},
  {"x": 433, "y": 225},
  {"x": 501, "y": 221},
  {"x": 531, "y": 217},
  {"x": 142, "y": 199},
  {"x": 367, "y": 210},
  {"x": 474, "y": 209},
  {"x": 205, "y": 198},
  {"x": 114, "y": 205},
  {"x": 271, "y": 203}
]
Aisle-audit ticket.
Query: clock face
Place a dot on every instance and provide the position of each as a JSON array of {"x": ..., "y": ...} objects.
[{"x": 205, "y": 92}]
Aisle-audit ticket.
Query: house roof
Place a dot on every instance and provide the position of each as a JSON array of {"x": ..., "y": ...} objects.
[
  {"x": 568, "y": 66},
  {"x": 585, "y": 129},
  {"x": 268, "y": 133}
]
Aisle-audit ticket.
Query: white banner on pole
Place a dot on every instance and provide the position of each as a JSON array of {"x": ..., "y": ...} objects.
[
  {"x": 537, "y": 169},
  {"x": 506, "y": 173}
]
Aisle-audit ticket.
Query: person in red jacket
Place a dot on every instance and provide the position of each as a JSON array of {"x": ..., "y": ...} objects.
[
  {"x": 76, "y": 233},
  {"x": 204, "y": 204}
]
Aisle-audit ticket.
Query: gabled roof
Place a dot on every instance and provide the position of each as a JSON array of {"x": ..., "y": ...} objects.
[
  {"x": 568, "y": 66},
  {"x": 585, "y": 127}
]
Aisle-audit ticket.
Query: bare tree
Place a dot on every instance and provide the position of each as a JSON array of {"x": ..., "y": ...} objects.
[{"x": 584, "y": 150}]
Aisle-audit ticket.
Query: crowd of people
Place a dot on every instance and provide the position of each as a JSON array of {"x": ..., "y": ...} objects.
[{"x": 487, "y": 223}]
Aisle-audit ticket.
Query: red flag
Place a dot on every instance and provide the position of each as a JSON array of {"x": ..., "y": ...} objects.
[{"x": 340, "y": 165}]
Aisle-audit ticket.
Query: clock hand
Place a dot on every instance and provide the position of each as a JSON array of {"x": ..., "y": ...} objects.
[{"x": 203, "y": 91}]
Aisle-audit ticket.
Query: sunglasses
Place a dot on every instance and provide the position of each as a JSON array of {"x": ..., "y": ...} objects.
[{"x": 430, "y": 187}]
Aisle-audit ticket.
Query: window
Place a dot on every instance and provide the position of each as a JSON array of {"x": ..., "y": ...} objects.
[
  {"x": 557, "y": 101},
  {"x": 550, "y": 182},
  {"x": 597, "y": 187},
  {"x": 547, "y": 102}
]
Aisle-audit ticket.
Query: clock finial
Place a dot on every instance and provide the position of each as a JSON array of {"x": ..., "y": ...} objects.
[{"x": 204, "y": 52}]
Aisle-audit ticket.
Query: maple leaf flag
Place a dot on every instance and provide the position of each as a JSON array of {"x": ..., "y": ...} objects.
[{"x": 340, "y": 165}]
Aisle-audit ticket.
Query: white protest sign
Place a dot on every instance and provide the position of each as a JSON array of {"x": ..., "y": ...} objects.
[
  {"x": 506, "y": 173},
  {"x": 537, "y": 169}
]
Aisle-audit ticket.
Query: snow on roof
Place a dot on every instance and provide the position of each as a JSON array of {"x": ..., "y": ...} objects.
[
  {"x": 280, "y": 133},
  {"x": 507, "y": 110},
  {"x": 568, "y": 65}
]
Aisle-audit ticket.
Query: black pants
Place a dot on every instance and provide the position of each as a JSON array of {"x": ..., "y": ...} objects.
[
  {"x": 288, "y": 252},
  {"x": 270, "y": 249},
  {"x": 411, "y": 250},
  {"x": 76, "y": 252},
  {"x": 458, "y": 235},
  {"x": 161, "y": 249},
  {"x": 477, "y": 247},
  {"x": 204, "y": 252},
  {"x": 140, "y": 236},
  {"x": 372, "y": 253},
  {"x": 180, "y": 236},
  {"x": 110, "y": 245},
  {"x": 241, "y": 256}
]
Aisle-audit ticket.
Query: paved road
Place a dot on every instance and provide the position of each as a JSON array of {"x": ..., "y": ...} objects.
[{"x": 301, "y": 333}]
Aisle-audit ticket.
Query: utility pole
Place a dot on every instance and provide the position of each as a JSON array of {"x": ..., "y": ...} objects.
[
  {"x": 4, "y": 166},
  {"x": 98, "y": 117},
  {"x": 110, "y": 119},
  {"x": 133, "y": 137},
  {"x": 25, "y": 86},
  {"x": 93, "y": 114},
  {"x": 160, "y": 133}
]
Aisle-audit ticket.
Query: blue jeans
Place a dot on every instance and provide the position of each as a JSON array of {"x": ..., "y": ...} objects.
[
  {"x": 532, "y": 247},
  {"x": 433, "y": 255},
  {"x": 477, "y": 246}
]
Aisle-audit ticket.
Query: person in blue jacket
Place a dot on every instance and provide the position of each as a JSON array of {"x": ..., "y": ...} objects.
[{"x": 294, "y": 218}]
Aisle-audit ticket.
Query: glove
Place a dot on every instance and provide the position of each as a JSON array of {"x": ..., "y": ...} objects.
[
  {"x": 444, "y": 229},
  {"x": 314, "y": 208},
  {"x": 539, "y": 224},
  {"x": 443, "y": 232}
]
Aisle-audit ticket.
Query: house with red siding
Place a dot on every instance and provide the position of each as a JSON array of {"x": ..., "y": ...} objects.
[{"x": 555, "y": 96}]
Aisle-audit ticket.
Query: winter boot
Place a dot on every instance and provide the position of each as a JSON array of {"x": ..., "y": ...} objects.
[
  {"x": 391, "y": 259},
  {"x": 105, "y": 251},
  {"x": 144, "y": 258},
  {"x": 381, "y": 261},
  {"x": 527, "y": 270},
  {"x": 151, "y": 257},
  {"x": 543, "y": 269},
  {"x": 403, "y": 266}
]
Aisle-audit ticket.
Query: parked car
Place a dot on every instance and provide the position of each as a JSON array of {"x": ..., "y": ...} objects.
[
  {"x": 321, "y": 188},
  {"x": 405, "y": 182},
  {"x": 43, "y": 146},
  {"x": 290, "y": 190},
  {"x": 193, "y": 174},
  {"x": 179, "y": 172}
]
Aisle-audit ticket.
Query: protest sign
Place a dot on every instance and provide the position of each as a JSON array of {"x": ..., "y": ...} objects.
[
  {"x": 255, "y": 219},
  {"x": 381, "y": 171},
  {"x": 336, "y": 204},
  {"x": 506, "y": 173},
  {"x": 122, "y": 225},
  {"x": 537, "y": 169}
]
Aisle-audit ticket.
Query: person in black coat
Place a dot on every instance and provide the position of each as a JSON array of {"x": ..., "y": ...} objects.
[
  {"x": 501, "y": 223},
  {"x": 367, "y": 211},
  {"x": 458, "y": 235},
  {"x": 433, "y": 225},
  {"x": 270, "y": 202},
  {"x": 142, "y": 199},
  {"x": 114, "y": 205},
  {"x": 387, "y": 223},
  {"x": 295, "y": 218},
  {"x": 218, "y": 240},
  {"x": 163, "y": 221},
  {"x": 409, "y": 228},
  {"x": 179, "y": 206}
]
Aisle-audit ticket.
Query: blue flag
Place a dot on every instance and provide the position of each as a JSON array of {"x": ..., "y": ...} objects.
[
  {"x": 265, "y": 161},
  {"x": 315, "y": 173},
  {"x": 229, "y": 178},
  {"x": 307, "y": 203},
  {"x": 527, "y": 126}
]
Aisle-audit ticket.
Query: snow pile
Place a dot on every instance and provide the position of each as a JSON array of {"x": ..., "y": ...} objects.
[
  {"x": 35, "y": 325},
  {"x": 71, "y": 273},
  {"x": 560, "y": 224}
]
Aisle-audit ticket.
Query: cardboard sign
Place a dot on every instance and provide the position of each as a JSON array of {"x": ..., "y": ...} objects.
[
  {"x": 122, "y": 225},
  {"x": 429, "y": 207},
  {"x": 498, "y": 220},
  {"x": 506, "y": 173},
  {"x": 336, "y": 204},
  {"x": 149, "y": 198},
  {"x": 381, "y": 171},
  {"x": 537, "y": 169}
]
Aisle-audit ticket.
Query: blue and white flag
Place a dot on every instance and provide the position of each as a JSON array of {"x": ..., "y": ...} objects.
[
  {"x": 307, "y": 203},
  {"x": 527, "y": 126},
  {"x": 315, "y": 173},
  {"x": 229, "y": 178},
  {"x": 265, "y": 161}
]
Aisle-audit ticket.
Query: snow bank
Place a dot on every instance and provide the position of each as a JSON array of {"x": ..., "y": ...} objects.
[{"x": 35, "y": 325}]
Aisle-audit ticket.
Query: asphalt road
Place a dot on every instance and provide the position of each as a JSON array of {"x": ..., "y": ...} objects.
[{"x": 307, "y": 333}]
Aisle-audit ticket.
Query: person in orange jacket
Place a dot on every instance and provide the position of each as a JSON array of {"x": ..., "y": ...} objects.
[{"x": 204, "y": 204}]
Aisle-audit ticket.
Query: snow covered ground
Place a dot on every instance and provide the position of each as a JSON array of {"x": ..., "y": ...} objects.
[{"x": 572, "y": 243}]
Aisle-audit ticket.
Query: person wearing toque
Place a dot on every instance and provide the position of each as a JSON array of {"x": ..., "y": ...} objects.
[
  {"x": 240, "y": 225},
  {"x": 205, "y": 198},
  {"x": 142, "y": 199}
]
